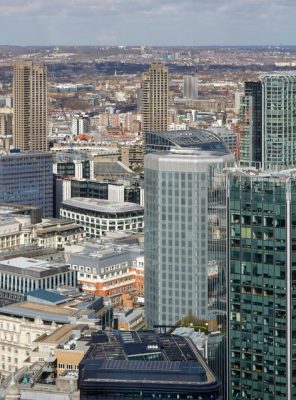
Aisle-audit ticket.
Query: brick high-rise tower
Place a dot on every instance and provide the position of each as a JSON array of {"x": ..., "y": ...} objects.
[
  {"x": 155, "y": 99},
  {"x": 30, "y": 106}
]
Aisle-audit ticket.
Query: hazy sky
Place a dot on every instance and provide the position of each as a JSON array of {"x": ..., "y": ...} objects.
[{"x": 147, "y": 22}]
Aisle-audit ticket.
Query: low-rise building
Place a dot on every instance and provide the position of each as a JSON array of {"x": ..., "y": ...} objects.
[
  {"x": 31, "y": 330},
  {"x": 15, "y": 231},
  {"x": 129, "y": 319},
  {"x": 17, "y": 336},
  {"x": 56, "y": 233},
  {"x": 110, "y": 270},
  {"x": 144, "y": 364},
  {"x": 100, "y": 216},
  {"x": 22, "y": 275}
]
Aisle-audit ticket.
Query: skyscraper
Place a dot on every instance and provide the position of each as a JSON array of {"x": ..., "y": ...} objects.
[
  {"x": 155, "y": 99},
  {"x": 30, "y": 106},
  {"x": 190, "y": 90},
  {"x": 279, "y": 119},
  {"x": 250, "y": 125},
  {"x": 262, "y": 284},
  {"x": 185, "y": 231}
]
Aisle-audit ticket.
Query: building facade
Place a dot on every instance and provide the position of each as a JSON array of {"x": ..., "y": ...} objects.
[
  {"x": 279, "y": 120},
  {"x": 185, "y": 229},
  {"x": 98, "y": 217},
  {"x": 22, "y": 274},
  {"x": 250, "y": 125},
  {"x": 15, "y": 231},
  {"x": 26, "y": 179},
  {"x": 261, "y": 282},
  {"x": 57, "y": 233},
  {"x": 155, "y": 99},
  {"x": 190, "y": 87},
  {"x": 110, "y": 271},
  {"x": 30, "y": 106},
  {"x": 80, "y": 124},
  {"x": 17, "y": 340}
]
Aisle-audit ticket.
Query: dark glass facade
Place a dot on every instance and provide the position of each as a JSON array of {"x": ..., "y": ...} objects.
[
  {"x": 90, "y": 189},
  {"x": 27, "y": 179},
  {"x": 262, "y": 286},
  {"x": 250, "y": 124}
]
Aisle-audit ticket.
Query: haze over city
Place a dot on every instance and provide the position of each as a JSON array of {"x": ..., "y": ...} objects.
[
  {"x": 147, "y": 199},
  {"x": 143, "y": 22}
]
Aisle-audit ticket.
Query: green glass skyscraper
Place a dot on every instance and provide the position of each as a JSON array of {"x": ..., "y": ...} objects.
[
  {"x": 279, "y": 120},
  {"x": 262, "y": 284}
]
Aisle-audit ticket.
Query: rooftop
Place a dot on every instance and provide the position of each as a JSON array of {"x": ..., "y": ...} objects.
[
  {"x": 145, "y": 357},
  {"x": 47, "y": 296},
  {"x": 99, "y": 256},
  {"x": 193, "y": 138},
  {"x": 102, "y": 206},
  {"x": 31, "y": 267},
  {"x": 253, "y": 172},
  {"x": 76, "y": 309}
]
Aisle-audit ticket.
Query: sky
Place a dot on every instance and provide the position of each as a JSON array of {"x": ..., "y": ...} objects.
[{"x": 147, "y": 22}]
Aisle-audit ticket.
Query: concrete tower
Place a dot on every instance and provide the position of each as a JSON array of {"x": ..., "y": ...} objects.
[
  {"x": 190, "y": 90},
  {"x": 30, "y": 106},
  {"x": 155, "y": 99}
]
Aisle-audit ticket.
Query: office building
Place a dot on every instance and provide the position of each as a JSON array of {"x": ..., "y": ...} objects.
[
  {"x": 190, "y": 87},
  {"x": 30, "y": 106},
  {"x": 98, "y": 217},
  {"x": 57, "y": 233},
  {"x": 128, "y": 191},
  {"x": 185, "y": 231},
  {"x": 146, "y": 365},
  {"x": 22, "y": 274},
  {"x": 74, "y": 168},
  {"x": 228, "y": 137},
  {"x": 262, "y": 282},
  {"x": 26, "y": 179},
  {"x": 250, "y": 125},
  {"x": 15, "y": 231},
  {"x": 155, "y": 99},
  {"x": 279, "y": 120},
  {"x": 110, "y": 270}
]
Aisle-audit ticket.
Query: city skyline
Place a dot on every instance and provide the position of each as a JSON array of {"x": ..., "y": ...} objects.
[{"x": 109, "y": 22}]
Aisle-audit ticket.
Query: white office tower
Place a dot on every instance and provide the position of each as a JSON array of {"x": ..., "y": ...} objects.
[
  {"x": 190, "y": 91},
  {"x": 185, "y": 231}
]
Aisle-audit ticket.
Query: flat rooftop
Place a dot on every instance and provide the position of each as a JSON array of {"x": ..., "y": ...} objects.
[
  {"x": 31, "y": 267},
  {"x": 75, "y": 309},
  {"x": 102, "y": 206},
  {"x": 145, "y": 356},
  {"x": 100, "y": 256}
]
